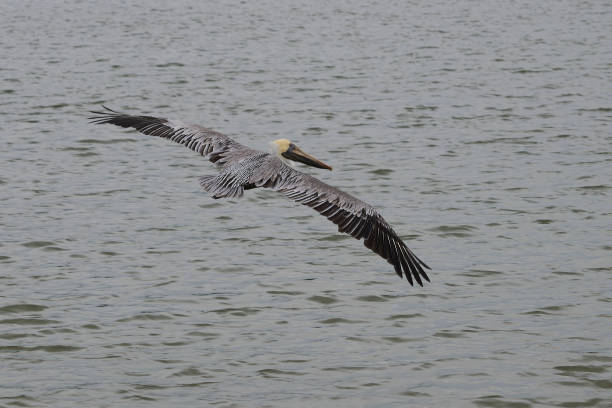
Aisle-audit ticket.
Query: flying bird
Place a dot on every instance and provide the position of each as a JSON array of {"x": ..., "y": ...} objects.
[{"x": 242, "y": 168}]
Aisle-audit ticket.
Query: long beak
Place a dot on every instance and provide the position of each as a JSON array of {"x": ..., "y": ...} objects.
[{"x": 296, "y": 154}]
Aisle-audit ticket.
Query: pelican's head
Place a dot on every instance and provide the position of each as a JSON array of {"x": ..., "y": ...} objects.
[{"x": 290, "y": 151}]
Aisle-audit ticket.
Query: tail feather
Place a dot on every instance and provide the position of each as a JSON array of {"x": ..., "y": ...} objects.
[
  {"x": 220, "y": 189},
  {"x": 207, "y": 182}
]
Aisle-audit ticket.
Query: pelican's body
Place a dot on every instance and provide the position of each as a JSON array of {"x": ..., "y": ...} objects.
[{"x": 242, "y": 168}]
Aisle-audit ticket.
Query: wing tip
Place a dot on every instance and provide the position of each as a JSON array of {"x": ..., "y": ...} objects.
[
  {"x": 103, "y": 116},
  {"x": 423, "y": 263}
]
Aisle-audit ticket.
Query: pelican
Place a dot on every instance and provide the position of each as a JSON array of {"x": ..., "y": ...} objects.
[{"x": 242, "y": 168}]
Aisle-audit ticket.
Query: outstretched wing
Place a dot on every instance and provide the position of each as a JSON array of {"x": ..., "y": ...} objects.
[
  {"x": 356, "y": 218},
  {"x": 215, "y": 146}
]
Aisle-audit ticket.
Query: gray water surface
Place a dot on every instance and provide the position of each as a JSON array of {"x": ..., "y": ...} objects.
[{"x": 480, "y": 130}]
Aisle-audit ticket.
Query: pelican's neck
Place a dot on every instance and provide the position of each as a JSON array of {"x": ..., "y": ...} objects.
[{"x": 274, "y": 149}]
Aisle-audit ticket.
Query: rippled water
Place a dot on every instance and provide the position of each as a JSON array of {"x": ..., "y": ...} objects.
[{"x": 479, "y": 129}]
